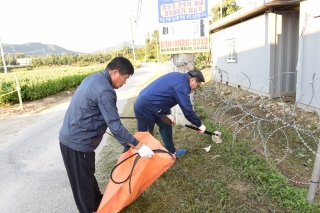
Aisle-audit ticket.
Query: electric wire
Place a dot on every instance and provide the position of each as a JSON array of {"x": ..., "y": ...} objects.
[{"x": 138, "y": 17}]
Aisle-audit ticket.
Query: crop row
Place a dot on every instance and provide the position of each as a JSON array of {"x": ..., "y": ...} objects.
[{"x": 38, "y": 84}]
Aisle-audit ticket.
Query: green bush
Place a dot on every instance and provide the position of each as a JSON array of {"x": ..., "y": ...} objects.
[{"x": 202, "y": 60}]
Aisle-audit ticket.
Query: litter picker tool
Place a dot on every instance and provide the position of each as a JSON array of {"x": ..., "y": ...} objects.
[
  {"x": 133, "y": 117},
  {"x": 216, "y": 136}
]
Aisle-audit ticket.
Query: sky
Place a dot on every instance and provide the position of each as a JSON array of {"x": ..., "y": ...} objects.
[{"x": 79, "y": 25}]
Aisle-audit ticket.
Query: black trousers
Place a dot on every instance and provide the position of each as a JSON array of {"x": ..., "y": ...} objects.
[{"x": 80, "y": 167}]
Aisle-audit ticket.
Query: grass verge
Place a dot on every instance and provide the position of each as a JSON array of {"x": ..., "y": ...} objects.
[{"x": 225, "y": 179}]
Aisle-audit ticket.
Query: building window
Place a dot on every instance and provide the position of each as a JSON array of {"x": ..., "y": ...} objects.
[{"x": 231, "y": 51}]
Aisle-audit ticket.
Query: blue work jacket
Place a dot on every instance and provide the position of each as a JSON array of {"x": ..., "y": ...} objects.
[
  {"x": 164, "y": 93},
  {"x": 91, "y": 111}
]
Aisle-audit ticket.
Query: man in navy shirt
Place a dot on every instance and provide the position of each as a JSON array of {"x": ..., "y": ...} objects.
[
  {"x": 153, "y": 104},
  {"x": 91, "y": 111}
]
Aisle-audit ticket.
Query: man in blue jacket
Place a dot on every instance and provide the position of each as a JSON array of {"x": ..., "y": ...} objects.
[
  {"x": 153, "y": 104},
  {"x": 91, "y": 111}
]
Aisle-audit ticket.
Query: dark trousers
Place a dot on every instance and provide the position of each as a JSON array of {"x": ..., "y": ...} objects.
[
  {"x": 80, "y": 167},
  {"x": 147, "y": 125},
  {"x": 166, "y": 135}
]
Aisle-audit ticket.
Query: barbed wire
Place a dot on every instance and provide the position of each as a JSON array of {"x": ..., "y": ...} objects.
[{"x": 274, "y": 126}]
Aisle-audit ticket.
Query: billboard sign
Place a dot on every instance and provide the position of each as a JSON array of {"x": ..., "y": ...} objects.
[{"x": 184, "y": 26}]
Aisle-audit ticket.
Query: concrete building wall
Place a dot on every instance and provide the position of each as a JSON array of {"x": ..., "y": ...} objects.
[
  {"x": 23, "y": 61},
  {"x": 308, "y": 84},
  {"x": 266, "y": 53},
  {"x": 252, "y": 47}
]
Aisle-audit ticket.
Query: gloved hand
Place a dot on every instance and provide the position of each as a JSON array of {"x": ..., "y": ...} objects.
[
  {"x": 145, "y": 152},
  {"x": 171, "y": 118},
  {"x": 202, "y": 128}
]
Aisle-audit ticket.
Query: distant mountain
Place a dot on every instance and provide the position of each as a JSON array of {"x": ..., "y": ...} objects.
[
  {"x": 35, "y": 48},
  {"x": 118, "y": 47}
]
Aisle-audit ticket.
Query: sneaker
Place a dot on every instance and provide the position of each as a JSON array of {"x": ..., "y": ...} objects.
[{"x": 180, "y": 152}]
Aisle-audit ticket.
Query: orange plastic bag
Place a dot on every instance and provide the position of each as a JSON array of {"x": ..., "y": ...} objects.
[{"x": 144, "y": 172}]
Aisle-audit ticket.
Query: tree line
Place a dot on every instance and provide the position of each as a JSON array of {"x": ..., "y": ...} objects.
[{"x": 148, "y": 52}]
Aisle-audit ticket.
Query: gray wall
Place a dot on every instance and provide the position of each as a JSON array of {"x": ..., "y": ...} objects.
[
  {"x": 266, "y": 46},
  {"x": 253, "y": 54},
  {"x": 308, "y": 84}
]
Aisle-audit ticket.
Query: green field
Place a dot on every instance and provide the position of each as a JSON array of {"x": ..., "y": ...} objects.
[{"x": 40, "y": 83}]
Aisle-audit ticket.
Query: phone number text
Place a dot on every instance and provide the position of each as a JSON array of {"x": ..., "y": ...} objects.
[{"x": 185, "y": 43}]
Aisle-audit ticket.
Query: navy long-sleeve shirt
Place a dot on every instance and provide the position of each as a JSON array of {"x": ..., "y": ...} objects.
[
  {"x": 164, "y": 93},
  {"x": 91, "y": 111}
]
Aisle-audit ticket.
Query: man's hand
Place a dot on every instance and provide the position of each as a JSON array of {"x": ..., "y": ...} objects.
[
  {"x": 145, "y": 152},
  {"x": 171, "y": 119},
  {"x": 202, "y": 128}
]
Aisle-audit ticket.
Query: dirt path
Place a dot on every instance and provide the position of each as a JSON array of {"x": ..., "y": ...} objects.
[{"x": 34, "y": 107}]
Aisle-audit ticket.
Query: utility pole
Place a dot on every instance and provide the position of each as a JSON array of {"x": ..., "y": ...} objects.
[
  {"x": 2, "y": 55},
  {"x": 157, "y": 48},
  {"x": 220, "y": 9},
  {"x": 134, "y": 54},
  {"x": 117, "y": 48},
  {"x": 127, "y": 51},
  {"x": 182, "y": 62},
  {"x": 146, "y": 53}
]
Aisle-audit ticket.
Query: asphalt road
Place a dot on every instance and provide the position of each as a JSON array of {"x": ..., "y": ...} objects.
[{"x": 32, "y": 174}]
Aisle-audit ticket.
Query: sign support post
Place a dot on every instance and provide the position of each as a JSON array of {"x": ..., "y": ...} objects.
[{"x": 184, "y": 30}]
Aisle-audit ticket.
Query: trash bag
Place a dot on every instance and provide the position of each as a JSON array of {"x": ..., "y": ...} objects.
[{"x": 132, "y": 174}]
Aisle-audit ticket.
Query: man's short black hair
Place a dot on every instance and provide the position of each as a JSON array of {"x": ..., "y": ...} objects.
[
  {"x": 195, "y": 73},
  {"x": 122, "y": 64}
]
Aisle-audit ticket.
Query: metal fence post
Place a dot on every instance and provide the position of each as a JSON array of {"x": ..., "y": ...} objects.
[
  {"x": 2, "y": 55},
  {"x": 314, "y": 178},
  {"x": 18, "y": 89}
]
